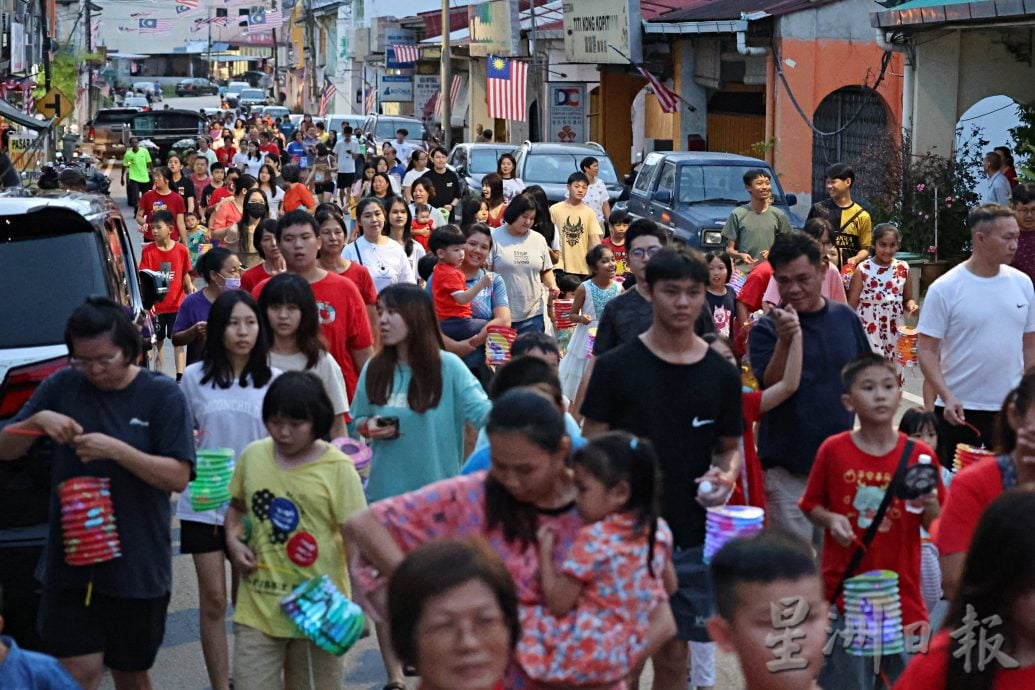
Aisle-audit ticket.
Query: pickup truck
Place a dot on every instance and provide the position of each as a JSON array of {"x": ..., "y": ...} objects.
[
  {"x": 107, "y": 131},
  {"x": 166, "y": 127}
]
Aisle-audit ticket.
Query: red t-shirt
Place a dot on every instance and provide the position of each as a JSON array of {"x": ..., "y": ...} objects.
[
  {"x": 253, "y": 276},
  {"x": 848, "y": 481},
  {"x": 619, "y": 252},
  {"x": 152, "y": 201},
  {"x": 359, "y": 275},
  {"x": 218, "y": 194},
  {"x": 972, "y": 490},
  {"x": 174, "y": 264},
  {"x": 422, "y": 240},
  {"x": 754, "y": 286},
  {"x": 225, "y": 155},
  {"x": 297, "y": 197},
  {"x": 930, "y": 671},
  {"x": 445, "y": 280},
  {"x": 343, "y": 322},
  {"x": 752, "y": 475},
  {"x": 270, "y": 148}
]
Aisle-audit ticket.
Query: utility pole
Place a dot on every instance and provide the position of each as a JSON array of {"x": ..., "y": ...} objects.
[
  {"x": 45, "y": 43},
  {"x": 447, "y": 86},
  {"x": 89, "y": 60},
  {"x": 310, "y": 38}
]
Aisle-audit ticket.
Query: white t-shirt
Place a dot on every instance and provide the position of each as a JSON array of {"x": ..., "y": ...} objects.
[
  {"x": 326, "y": 369},
  {"x": 436, "y": 216},
  {"x": 417, "y": 255},
  {"x": 241, "y": 161},
  {"x": 275, "y": 200},
  {"x": 387, "y": 263},
  {"x": 345, "y": 152},
  {"x": 412, "y": 176},
  {"x": 511, "y": 188},
  {"x": 981, "y": 323},
  {"x": 224, "y": 418},
  {"x": 520, "y": 261},
  {"x": 403, "y": 151}
]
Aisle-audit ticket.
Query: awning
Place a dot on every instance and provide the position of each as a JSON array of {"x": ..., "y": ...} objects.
[
  {"x": 927, "y": 13},
  {"x": 9, "y": 112}
]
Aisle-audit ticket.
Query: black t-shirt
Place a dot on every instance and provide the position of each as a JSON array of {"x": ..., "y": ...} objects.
[
  {"x": 682, "y": 408},
  {"x": 151, "y": 414},
  {"x": 185, "y": 188},
  {"x": 722, "y": 309},
  {"x": 447, "y": 187},
  {"x": 630, "y": 314}
]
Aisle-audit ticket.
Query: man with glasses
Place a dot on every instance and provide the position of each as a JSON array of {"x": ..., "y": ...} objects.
[
  {"x": 108, "y": 417},
  {"x": 1022, "y": 201}
]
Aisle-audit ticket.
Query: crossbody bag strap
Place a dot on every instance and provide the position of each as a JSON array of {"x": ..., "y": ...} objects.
[{"x": 871, "y": 531}]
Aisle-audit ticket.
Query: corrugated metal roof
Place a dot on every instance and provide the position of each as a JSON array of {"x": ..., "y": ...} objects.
[
  {"x": 705, "y": 10},
  {"x": 920, "y": 13}
]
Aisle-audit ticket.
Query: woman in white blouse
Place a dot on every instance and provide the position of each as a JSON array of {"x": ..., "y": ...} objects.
[{"x": 383, "y": 257}]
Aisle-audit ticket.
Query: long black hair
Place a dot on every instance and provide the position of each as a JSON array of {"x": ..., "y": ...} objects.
[
  {"x": 534, "y": 415},
  {"x": 543, "y": 222},
  {"x": 293, "y": 289},
  {"x": 216, "y": 366},
  {"x": 407, "y": 235},
  {"x": 999, "y": 570},
  {"x": 621, "y": 457}
]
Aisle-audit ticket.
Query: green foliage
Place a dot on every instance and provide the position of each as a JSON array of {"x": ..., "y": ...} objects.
[
  {"x": 1024, "y": 142},
  {"x": 64, "y": 73}
]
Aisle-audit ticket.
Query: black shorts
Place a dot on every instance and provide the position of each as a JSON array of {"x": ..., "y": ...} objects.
[
  {"x": 129, "y": 632},
  {"x": 200, "y": 537},
  {"x": 323, "y": 188},
  {"x": 164, "y": 326},
  {"x": 345, "y": 180}
]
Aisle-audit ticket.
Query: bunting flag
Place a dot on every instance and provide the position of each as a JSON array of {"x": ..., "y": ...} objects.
[
  {"x": 155, "y": 26},
  {"x": 406, "y": 54},
  {"x": 507, "y": 80},
  {"x": 454, "y": 93},
  {"x": 185, "y": 9},
  {"x": 327, "y": 95},
  {"x": 667, "y": 98}
]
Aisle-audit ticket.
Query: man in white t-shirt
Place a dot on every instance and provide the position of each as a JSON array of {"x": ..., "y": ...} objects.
[
  {"x": 403, "y": 149},
  {"x": 345, "y": 151},
  {"x": 977, "y": 332}
]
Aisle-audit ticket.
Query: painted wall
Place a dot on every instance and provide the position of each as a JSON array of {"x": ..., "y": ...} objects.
[{"x": 956, "y": 70}]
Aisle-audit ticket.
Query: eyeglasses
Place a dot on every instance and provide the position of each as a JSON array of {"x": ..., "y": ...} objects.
[
  {"x": 1025, "y": 211},
  {"x": 644, "y": 253},
  {"x": 81, "y": 363}
]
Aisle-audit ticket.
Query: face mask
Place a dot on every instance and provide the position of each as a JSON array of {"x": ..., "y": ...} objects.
[
  {"x": 231, "y": 283},
  {"x": 256, "y": 210}
]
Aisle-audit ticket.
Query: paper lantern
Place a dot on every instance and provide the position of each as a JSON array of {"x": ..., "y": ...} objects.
[
  {"x": 497, "y": 344},
  {"x": 211, "y": 486},
  {"x": 324, "y": 615},
  {"x": 88, "y": 521},
  {"x": 729, "y": 522},
  {"x": 873, "y": 614}
]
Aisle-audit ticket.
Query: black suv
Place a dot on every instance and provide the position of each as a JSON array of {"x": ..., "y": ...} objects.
[
  {"x": 83, "y": 240},
  {"x": 196, "y": 86},
  {"x": 548, "y": 165}
]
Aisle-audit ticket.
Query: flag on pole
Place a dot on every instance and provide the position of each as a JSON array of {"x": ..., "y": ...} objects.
[
  {"x": 667, "y": 98},
  {"x": 454, "y": 93},
  {"x": 327, "y": 95},
  {"x": 406, "y": 54},
  {"x": 181, "y": 8},
  {"x": 264, "y": 19},
  {"x": 155, "y": 26},
  {"x": 506, "y": 83},
  {"x": 370, "y": 103}
]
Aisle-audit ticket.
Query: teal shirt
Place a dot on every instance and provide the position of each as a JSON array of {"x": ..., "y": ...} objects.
[{"x": 431, "y": 446}]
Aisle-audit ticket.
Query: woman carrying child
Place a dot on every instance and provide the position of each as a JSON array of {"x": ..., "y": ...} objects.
[{"x": 225, "y": 392}]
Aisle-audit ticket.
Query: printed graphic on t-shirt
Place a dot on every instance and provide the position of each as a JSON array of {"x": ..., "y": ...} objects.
[
  {"x": 278, "y": 520},
  {"x": 721, "y": 317},
  {"x": 867, "y": 500},
  {"x": 521, "y": 258},
  {"x": 166, "y": 270},
  {"x": 326, "y": 311},
  {"x": 572, "y": 231}
]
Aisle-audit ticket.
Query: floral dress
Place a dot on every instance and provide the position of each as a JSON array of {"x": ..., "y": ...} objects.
[
  {"x": 602, "y": 637},
  {"x": 880, "y": 303},
  {"x": 580, "y": 345},
  {"x": 596, "y": 197}
]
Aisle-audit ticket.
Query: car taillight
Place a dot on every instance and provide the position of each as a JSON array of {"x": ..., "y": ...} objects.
[
  {"x": 665, "y": 217},
  {"x": 90, "y": 133},
  {"x": 21, "y": 383}
]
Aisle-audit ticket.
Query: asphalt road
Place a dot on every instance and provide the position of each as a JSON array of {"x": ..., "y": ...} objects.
[{"x": 180, "y": 665}]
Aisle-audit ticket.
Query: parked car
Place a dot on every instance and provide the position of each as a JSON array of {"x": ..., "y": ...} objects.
[
  {"x": 107, "y": 131},
  {"x": 140, "y": 102},
  {"x": 548, "y": 165},
  {"x": 692, "y": 193},
  {"x": 473, "y": 161},
  {"x": 257, "y": 79},
  {"x": 275, "y": 111},
  {"x": 196, "y": 86},
  {"x": 87, "y": 235},
  {"x": 250, "y": 98},
  {"x": 147, "y": 87},
  {"x": 335, "y": 121},
  {"x": 164, "y": 128},
  {"x": 381, "y": 128}
]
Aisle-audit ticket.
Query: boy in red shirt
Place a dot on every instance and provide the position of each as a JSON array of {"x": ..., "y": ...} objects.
[
  {"x": 298, "y": 195},
  {"x": 852, "y": 471},
  {"x": 618, "y": 224},
  {"x": 449, "y": 285},
  {"x": 171, "y": 259},
  {"x": 162, "y": 198}
]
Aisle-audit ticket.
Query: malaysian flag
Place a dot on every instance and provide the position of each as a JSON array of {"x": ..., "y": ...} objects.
[
  {"x": 506, "y": 83},
  {"x": 667, "y": 98},
  {"x": 264, "y": 19},
  {"x": 454, "y": 93},
  {"x": 327, "y": 95},
  {"x": 370, "y": 102},
  {"x": 186, "y": 7},
  {"x": 406, "y": 54},
  {"x": 155, "y": 26}
]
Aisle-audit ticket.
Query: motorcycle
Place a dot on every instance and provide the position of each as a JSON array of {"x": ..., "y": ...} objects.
[{"x": 96, "y": 181}]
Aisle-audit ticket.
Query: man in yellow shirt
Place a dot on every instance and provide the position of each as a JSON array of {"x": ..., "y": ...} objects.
[{"x": 578, "y": 230}]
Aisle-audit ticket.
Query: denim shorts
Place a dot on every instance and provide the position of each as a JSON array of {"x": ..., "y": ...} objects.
[{"x": 692, "y": 604}]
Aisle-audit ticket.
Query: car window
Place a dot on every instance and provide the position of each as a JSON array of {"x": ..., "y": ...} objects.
[
  {"x": 116, "y": 233},
  {"x": 385, "y": 129},
  {"x": 162, "y": 121},
  {"x": 555, "y": 167},
  {"x": 720, "y": 183},
  {"x": 484, "y": 160},
  {"x": 667, "y": 178},
  {"x": 22, "y": 252},
  {"x": 645, "y": 177}
]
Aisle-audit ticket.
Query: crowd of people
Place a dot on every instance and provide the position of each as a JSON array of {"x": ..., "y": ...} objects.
[{"x": 544, "y": 522}]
